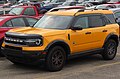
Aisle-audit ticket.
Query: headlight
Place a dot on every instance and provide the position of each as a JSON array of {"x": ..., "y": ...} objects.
[{"x": 34, "y": 42}]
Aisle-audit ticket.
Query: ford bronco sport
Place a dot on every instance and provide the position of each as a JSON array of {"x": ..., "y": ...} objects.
[{"x": 63, "y": 34}]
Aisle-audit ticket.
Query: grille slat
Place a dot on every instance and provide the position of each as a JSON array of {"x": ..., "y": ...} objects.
[{"x": 15, "y": 41}]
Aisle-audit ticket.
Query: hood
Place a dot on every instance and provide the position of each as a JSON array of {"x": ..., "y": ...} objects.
[{"x": 40, "y": 31}]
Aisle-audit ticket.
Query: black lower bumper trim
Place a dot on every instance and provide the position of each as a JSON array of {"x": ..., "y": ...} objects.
[{"x": 26, "y": 57}]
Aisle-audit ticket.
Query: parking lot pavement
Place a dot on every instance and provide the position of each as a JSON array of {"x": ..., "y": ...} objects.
[{"x": 92, "y": 67}]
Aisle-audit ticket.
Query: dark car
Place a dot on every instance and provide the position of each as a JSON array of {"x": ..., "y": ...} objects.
[
  {"x": 54, "y": 3},
  {"x": 70, "y": 3},
  {"x": 106, "y": 6},
  {"x": 9, "y": 22},
  {"x": 66, "y": 8},
  {"x": 97, "y": 2}
]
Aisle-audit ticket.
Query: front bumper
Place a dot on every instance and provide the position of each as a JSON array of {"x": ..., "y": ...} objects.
[{"x": 26, "y": 57}]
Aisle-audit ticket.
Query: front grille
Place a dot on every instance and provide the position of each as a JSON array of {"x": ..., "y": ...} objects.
[
  {"x": 19, "y": 39},
  {"x": 16, "y": 41}
]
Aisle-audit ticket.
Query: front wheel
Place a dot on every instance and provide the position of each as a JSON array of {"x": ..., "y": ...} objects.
[
  {"x": 55, "y": 59},
  {"x": 1, "y": 54},
  {"x": 110, "y": 50}
]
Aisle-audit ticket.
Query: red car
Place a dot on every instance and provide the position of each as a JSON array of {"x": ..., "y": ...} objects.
[
  {"x": 9, "y": 22},
  {"x": 26, "y": 10}
]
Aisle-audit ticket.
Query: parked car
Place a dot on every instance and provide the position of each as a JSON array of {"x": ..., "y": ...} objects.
[
  {"x": 55, "y": 3},
  {"x": 85, "y": 4},
  {"x": 68, "y": 3},
  {"x": 10, "y": 22},
  {"x": 61, "y": 35},
  {"x": 58, "y": 1},
  {"x": 22, "y": 1},
  {"x": 97, "y": 2},
  {"x": 26, "y": 10},
  {"x": 114, "y": 2},
  {"x": 117, "y": 5},
  {"x": 105, "y": 6},
  {"x": 4, "y": 11},
  {"x": 46, "y": 1}
]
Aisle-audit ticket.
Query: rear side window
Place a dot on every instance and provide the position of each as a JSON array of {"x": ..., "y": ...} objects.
[
  {"x": 95, "y": 21},
  {"x": 30, "y": 12},
  {"x": 111, "y": 18},
  {"x": 117, "y": 14},
  {"x": 18, "y": 22}
]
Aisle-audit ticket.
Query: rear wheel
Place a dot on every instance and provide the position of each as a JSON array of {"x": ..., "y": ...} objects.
[
  {"x": 55, "y": 59},
  {"x": 110, "y": 50}
]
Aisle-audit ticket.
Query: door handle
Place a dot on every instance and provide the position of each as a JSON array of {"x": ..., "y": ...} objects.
[
  {"x": 88, "y": 33},
  {"x": 104, "y": 31}
]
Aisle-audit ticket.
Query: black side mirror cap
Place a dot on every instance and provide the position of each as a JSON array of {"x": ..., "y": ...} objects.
[{"x": 76, "y": 28}]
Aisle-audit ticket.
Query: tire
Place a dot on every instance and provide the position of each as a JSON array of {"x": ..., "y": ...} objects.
[
  {"x": 110, "y": 50},
  {"x": 16, "y": 63},
  {"x": 1, "y": 54},
  {"x": 55, "y": 59}
]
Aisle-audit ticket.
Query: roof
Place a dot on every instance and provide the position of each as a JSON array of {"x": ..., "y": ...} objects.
[
  {"x": 24, "y": 6},
  {"x": 5, "y": 17},
  {"x": 72, "y": 12},
  {"x": 115, "y": 9}
]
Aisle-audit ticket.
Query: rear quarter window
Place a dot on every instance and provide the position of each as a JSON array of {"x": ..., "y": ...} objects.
[{"x": 111, "y": 18}]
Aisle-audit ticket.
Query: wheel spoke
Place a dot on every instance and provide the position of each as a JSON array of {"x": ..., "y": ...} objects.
[
  {"x": 57, "y": 58},
  {"x": 111, "y": 48}
]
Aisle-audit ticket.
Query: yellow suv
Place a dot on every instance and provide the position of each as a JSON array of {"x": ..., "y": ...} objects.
[{"x": 63, "y": 34}]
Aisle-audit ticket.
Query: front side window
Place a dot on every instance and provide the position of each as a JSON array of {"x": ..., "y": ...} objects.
[
  {"x": 9, "y": 24},
  {"x": 18, "y": 22},
  {"x": 82, "y": 22},
  {"x": 54, "y": 22},
  {"x": 30, "y": 12},
  {"x": 117, "y": 14},
  {"x": 31, "y": 21}
]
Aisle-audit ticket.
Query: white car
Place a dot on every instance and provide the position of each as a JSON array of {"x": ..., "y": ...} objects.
[{"x": 21, "y": 1}]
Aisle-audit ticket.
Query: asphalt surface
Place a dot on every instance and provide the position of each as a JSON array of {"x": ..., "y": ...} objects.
[{"x": 91, "y": 67}]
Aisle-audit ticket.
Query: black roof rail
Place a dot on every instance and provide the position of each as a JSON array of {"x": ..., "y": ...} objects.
[{"x": 82, "y": 10}]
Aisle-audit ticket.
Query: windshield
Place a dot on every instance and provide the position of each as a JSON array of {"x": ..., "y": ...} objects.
[
  {"x": 114, "y": 0},
  {"x": 54, "y": 1},
  {"x": 101, "y": 7},
  {"x": 16, "y": 11},
  {"x": 66, "y": 3},
  {"x": 53, "y": 22}
]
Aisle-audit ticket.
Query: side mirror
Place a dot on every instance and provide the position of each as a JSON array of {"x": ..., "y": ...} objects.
[
  {"x": 76, "y": 28},
  {"x": 117, "y": 20}
]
